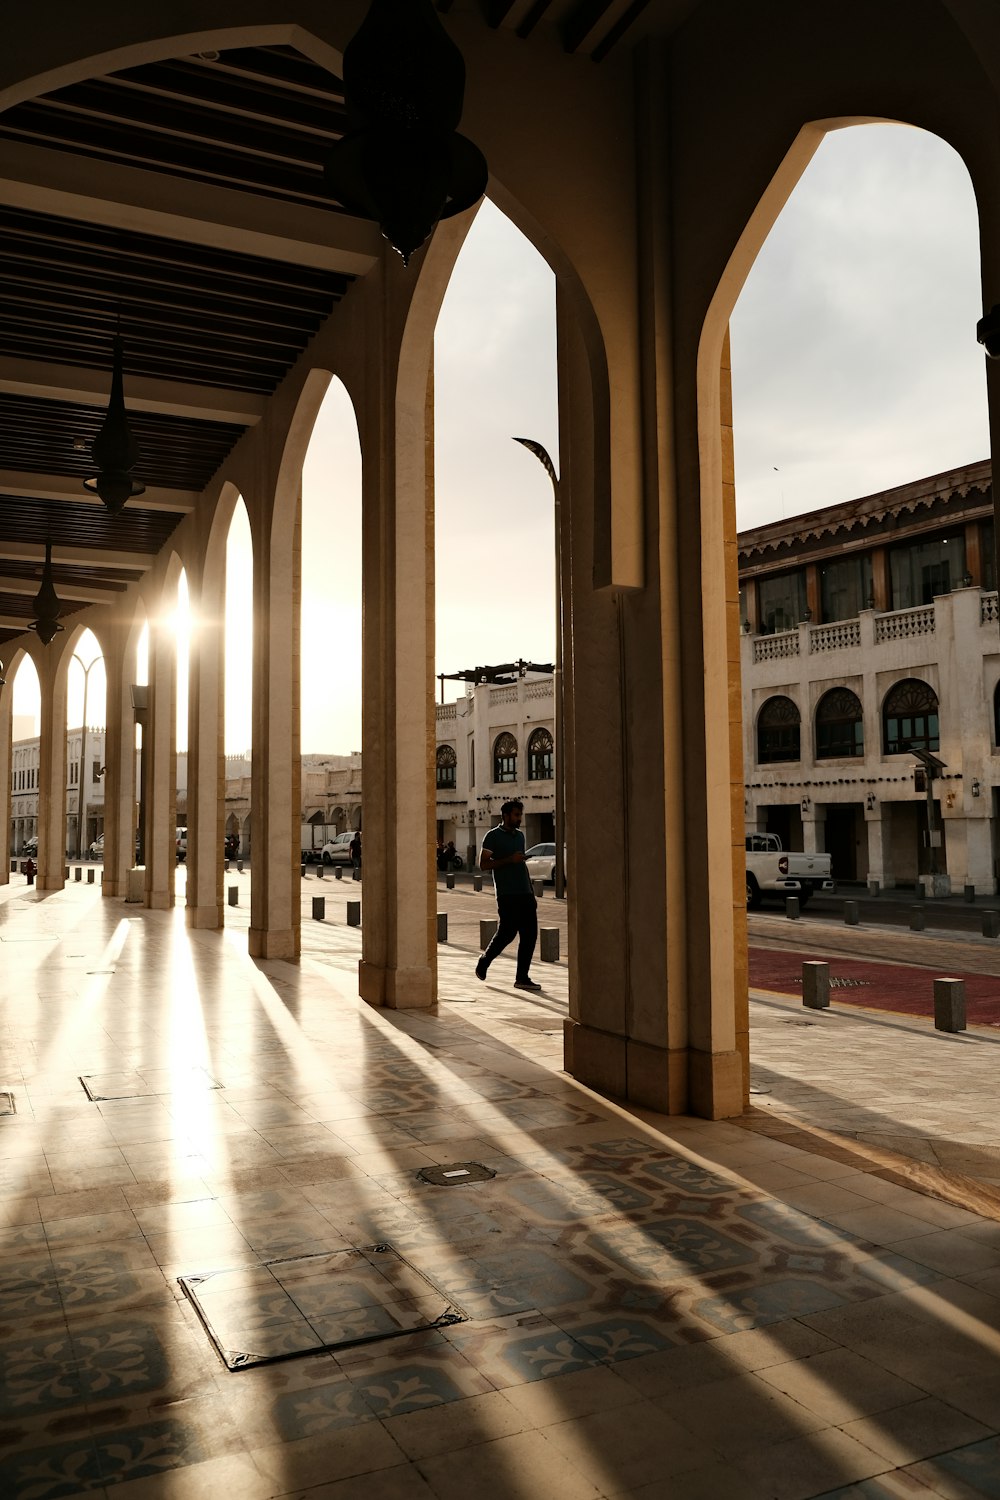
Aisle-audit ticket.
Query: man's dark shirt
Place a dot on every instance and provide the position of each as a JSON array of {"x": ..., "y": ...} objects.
[{"x": 509, "y": 880}]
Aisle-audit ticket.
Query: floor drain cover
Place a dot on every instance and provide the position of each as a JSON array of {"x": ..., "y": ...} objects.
[
  {"x": 7, "y": 1106},
  {"x": 146, "y": 1081},
  {"x": 456, "y": 1173},
  {"x": 313, "y": 1303}
]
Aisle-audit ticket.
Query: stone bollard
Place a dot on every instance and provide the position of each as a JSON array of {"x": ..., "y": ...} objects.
[
  {"x": 537, "y": 887},
  {"x": 792, "y": 908},
  {"x": 319, "y": 870},
  {"x": 918, "y": 919},
  {"x": 851, "y": 917},
  {"x": 225, "y": 866},
  {"x": 991, "y": 924},
  {"x": 65, "y": 877},
  {"x": 873, "y": 887},
  {"x": 338, "y": 873},
  {"x": 549, "y": 944},
  {"x": 354, "y": 913},
  {"x": 969, "y": 895},
  {"x": 234, "y": 894},
  {"x": 357, "y": 873},
  {"x": 77, "y": 873},
  {"x": 319, "y": 908},
  {"x": 920, "y": 893},
  {"x": 487, "y": 932},
  {"x": 816, "y": 985},
  {"x": 949, "y": 1004},
  {"x": 477, "y": 882},
  {"x": 449, "y": 881},
  {"x": 239, "y": 867},
  {"x": 442, "y": 917},
  {"x": 302, "y": 870},
  {"x": 13, "y": 868},
  {"x": 90, "y": 875}
]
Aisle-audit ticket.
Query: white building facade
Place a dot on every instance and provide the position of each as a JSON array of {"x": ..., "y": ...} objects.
[
  {"x": 871, "y": 633},
  {"x": 496, "y": 742}
]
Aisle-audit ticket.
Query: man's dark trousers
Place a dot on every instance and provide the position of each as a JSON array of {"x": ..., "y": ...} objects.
[{"x": 518, "y": 918}]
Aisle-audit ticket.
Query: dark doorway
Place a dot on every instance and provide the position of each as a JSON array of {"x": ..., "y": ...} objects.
[{"x": 842, "y": 835}]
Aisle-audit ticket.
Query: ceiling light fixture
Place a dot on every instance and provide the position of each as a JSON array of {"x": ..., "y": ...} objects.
[
  {"x": 47, "y": 606},
  {"x": 115, "y": 450},
  {"x": 403, "y": 162}
]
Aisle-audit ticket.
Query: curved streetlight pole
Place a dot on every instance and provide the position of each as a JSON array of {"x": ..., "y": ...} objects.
[
  {"x": 81, "y": 796},
  {"x": 557, "y": 676}
]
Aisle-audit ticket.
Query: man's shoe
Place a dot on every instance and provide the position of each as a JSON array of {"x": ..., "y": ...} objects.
[
  {"x": 480, "y": 970},
  {"x": 526, "y": 984}
]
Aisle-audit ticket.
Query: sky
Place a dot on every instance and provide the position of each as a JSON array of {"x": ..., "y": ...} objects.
[{"x": 855, "y": 368}]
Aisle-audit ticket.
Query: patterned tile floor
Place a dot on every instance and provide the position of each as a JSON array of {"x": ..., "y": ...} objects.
[{"x": 656, "y": 1308}]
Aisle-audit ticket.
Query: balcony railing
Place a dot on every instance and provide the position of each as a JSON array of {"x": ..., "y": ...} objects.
[
  {"x": 988, "y": 609},
  {"x": 773, "y": 647},
  {"x": 445, "y": 711},
  {"x": 835, "y": 637},
  {"x": 904, "y": 624},
  {"x": 503, "y": 694}
]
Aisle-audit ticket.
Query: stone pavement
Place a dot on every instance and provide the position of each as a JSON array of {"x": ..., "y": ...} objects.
[{"x": 650, "y": 1307}]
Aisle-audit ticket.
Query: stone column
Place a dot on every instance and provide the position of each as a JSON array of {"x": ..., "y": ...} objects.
[
  {"x": 120, "y": 762},
  {"x": 52, "y": 773},
  {"x": 814, "y": 830},
  {"x": 275, "y": 773},
  {"x": 161, "y": 763},
  {"x": 206, "y": 789},
  {"x": 6, "y": 716},
  {"x": 399, "y": 953},
  {"x": 877, "y": 865}
]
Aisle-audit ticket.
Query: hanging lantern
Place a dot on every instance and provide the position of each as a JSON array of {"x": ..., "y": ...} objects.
[
  {"x": 115, "y": 450},
  {"x": 47, "y": 605},
  {"x": 403, "y": 162}
]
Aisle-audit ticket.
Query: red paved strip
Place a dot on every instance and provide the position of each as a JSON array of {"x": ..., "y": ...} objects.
[{"x": 898, "y": 987}]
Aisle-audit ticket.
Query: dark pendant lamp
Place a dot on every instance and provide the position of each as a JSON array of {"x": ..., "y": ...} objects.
[
  {"x": 403, "y": 162},
  {"x": 115, "y": 450},
  {"x": 47, "y": 605}
]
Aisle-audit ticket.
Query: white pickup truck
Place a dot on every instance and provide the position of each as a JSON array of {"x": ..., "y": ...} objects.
[{"x": 773, "y": 870}]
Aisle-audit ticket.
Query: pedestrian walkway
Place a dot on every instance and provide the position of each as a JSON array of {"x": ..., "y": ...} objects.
[{"x": 633, "y": 1306}]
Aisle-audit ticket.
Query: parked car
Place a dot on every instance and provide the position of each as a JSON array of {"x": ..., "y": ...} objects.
[
  {"x": 541, "y": 862},
  {"x": 772, "y": 870},
  {"x": 182, "y": 845},
  {"x": 338, "y": 850},
  {"x": 97, "y": 847}
]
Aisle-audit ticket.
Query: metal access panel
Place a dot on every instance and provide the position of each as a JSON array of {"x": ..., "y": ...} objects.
[{"x": 310, "y": 1304}]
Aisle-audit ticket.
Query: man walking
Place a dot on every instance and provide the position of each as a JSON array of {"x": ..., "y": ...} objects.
[{"x": 502, "y": 857}]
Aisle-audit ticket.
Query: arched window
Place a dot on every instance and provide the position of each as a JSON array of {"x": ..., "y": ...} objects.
[
  {"x": 505, "y": 758},
  {"x": 447, "y": 763},
  {"x": 540, "y": 756},
  {"x": 839, "y": 724},
  {"x": 910, "y": 718},
  {"x": 778, "y": 731}
]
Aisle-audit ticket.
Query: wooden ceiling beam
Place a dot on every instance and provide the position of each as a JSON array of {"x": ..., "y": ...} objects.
[
  {"x": 72, "y": 554},
  {"x": 89, "y": 387},
  {"x": 69, "y": 487},
  {"x": 48, "y": 181}
]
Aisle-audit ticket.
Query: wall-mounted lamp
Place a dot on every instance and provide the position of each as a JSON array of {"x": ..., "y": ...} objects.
[
  {"x": 807, "y": 615},
  {"x": 806, "y": 804},
  {"x": 746, "y": 627},
  {"x": 976, "y": 788},
  {"x": 949, "y": 800},
  {"x": 870, "y": 802}
]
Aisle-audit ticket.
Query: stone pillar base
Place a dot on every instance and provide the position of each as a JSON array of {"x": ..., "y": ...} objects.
[
  {"x": 210, "y": 918},
  {"x": 684, "y": 1081},
  {"x": 936, "y": 885},
  {"x": 397, "y": 989},
  {"x": 57, "y": 885},
  {"x": 281, "y": 943},
  {"x": 160, "y": 900}
]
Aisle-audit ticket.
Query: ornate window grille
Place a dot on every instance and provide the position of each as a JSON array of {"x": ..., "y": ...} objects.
[
  {"x": 839, "y": 725},
  {"x": 779, "y": 729},
  {"x": 447, "y": 764},
  {"x": 540, "y": 756},
  {"x": 910, "y": 718},
  {"x": 505, "y": 758}
]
